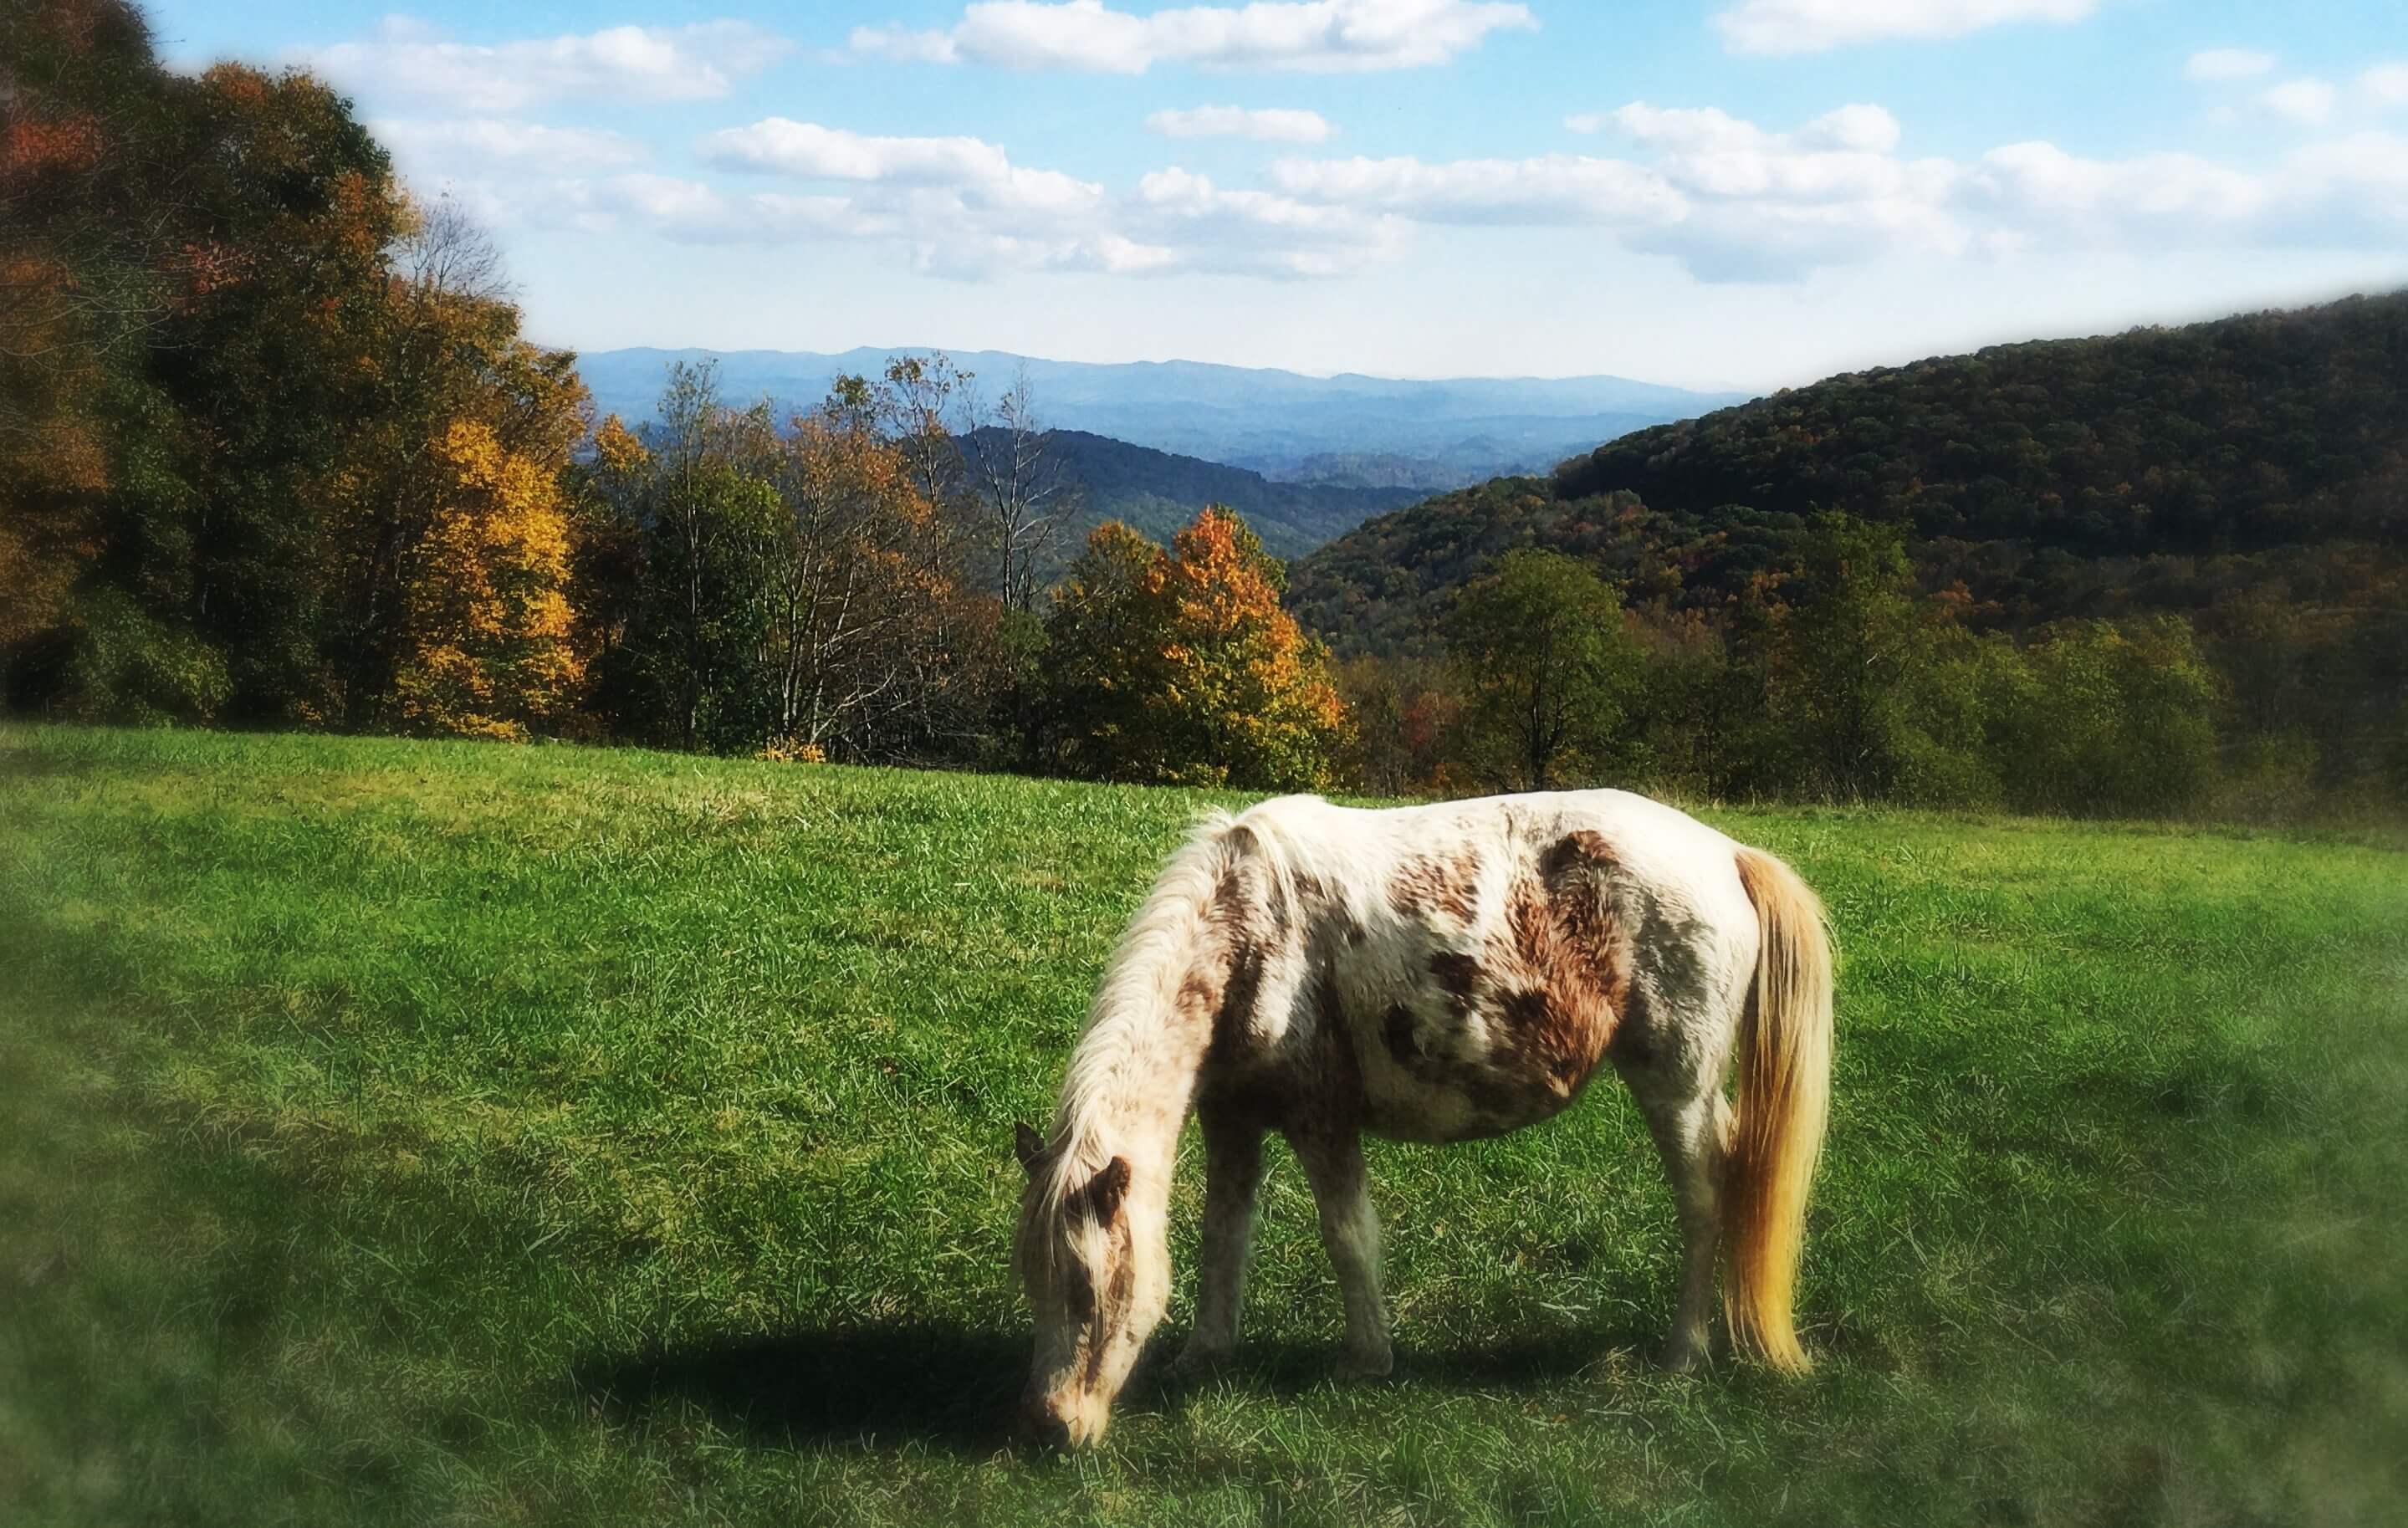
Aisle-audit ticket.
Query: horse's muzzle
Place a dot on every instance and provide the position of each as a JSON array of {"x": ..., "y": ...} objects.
[{"x": 1041, "y": 1426}]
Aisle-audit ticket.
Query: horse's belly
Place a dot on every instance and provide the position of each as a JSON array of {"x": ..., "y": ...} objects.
[{"x": 1442, "y": 1101}]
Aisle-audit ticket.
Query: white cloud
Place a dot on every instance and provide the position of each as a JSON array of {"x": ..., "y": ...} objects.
[
  {"x": 1554, "y": 189},
  {"x": 971, "y": 169},
  {"x": 2351, "y": 190},
  {"x": 1270, "y": 124},
  {"x": 945, "y": 235},
  {"x": 1814, "y": 27},
  {"x": 406, "y": 59},
  {"x": 2027, "y": 182},
  {"x": 2386, "y": 85},
  {"x": 1839, "y": 155},
  {"x": 2338, "y": 194},
  {"x": 1728, "y": 199},
  {"x": 425, "y": 147},
  {"x": 954, "y": 207},
  {"x": 2308, "y": 102},
  {"x": 1241, "y": 230},
  {"x": 2228, "y": 64},
  {"x": 1318, "y": 35}
]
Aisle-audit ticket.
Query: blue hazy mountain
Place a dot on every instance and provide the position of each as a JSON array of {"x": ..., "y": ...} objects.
[
  {"x": 1346, "y": 431},
  {"x": 1158, "y": 492}
]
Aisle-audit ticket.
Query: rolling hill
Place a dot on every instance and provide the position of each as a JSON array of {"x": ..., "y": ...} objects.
[
  {"x": 1429, "y": 434},
  {"x": 1159, "y": 492},
  {"x": 2258, "y": 458}
]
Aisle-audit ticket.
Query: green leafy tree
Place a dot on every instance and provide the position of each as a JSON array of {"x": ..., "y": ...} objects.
[
  {"x": 1544, "y": 669},
  {"x": 1854, "y": 640},
  {"x": 2105, "y": 720}
]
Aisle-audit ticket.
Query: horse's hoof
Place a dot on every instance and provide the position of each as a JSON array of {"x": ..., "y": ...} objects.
[
  {"x": 1681, "y": 1359},
  {"x": 1367, "y": 1365},
  {"x": 1202, "y": 1357}
]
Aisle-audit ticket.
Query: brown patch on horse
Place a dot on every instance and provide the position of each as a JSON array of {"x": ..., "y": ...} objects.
[
  {"x": 1567, "y": 853},
  {"x": 1576, "y": 956},
  {"x": 1425, "y": 885},
  {"x": 1250, "y": 920},
  {"x": 1235, "y": 1015},
  {"x": 1332, "y": 1090},
  {"x": 1120, "y": 1284}
]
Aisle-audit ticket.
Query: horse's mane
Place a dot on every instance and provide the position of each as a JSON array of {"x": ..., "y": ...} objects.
[{"x": 1132, "y": 1005}]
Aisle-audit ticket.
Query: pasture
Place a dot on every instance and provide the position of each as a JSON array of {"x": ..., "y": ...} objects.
[{"x": 445, "y": 1133}]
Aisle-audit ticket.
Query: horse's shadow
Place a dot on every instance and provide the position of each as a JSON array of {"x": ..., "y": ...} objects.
[{"x": 953, "y": 1387}]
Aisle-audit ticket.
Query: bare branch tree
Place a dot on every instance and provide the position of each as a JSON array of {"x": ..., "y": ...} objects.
[{"x": 1022, "y": 482}]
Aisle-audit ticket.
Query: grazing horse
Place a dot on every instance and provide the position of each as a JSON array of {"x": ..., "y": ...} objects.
[{"x": 1438, "y": 973}]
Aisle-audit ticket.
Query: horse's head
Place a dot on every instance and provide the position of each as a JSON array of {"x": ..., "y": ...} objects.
[{"x": 1096, "y": 1291}]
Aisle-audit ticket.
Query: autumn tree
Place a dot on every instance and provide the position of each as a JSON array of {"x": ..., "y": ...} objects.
[
  {"x": 155, "y": 231},
  {"x": 2097, "y": 718},
  {"x": 863, "y": 600},
  {"x": 1103, "y": 657},
  {"x": 450, "y": 367},
  {"x": 692, "y": 503},
  {"x": 488, "y": 639},
  {"x": 1405, "y": 713},
  {"x": 1179, "y": 666}
]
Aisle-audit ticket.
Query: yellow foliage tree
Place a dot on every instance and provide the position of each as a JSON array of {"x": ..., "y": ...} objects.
[{"x": 488, "y": 649}]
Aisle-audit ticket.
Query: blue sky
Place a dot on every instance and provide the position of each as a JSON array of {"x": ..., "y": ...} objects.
[{"x": 1748, "y": 193}]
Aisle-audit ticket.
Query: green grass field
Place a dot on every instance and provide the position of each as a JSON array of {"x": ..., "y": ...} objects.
[{"x": 420, "y": 1133}]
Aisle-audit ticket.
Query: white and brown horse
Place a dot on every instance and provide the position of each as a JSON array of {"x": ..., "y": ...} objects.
[{"x": 1436, "y": 973}]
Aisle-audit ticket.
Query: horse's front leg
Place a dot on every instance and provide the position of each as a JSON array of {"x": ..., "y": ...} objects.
[
  {"x": 1333, "y": 1162},
  {"x": 1233, "y": 1170}
]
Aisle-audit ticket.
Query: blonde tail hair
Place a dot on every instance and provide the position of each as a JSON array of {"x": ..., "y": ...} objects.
[{"x": 1785, "y": 1092}]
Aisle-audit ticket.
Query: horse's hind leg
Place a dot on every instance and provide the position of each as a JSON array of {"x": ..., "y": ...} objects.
[
  {"x": 1333, "y": 1161},
  {"x": 1690, "y": 1122},
  {"x": 1233, "y": 1170}
]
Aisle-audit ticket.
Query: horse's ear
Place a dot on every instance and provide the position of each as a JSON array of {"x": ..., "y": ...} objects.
[
  {"x": 1029, "y": 1145},
  {"x": 1104, "y": 1195}
]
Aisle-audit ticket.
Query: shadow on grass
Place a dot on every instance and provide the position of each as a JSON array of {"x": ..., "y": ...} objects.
[
  {"x": 955, "y": 1388},
  {"x": 939, "y": 1384}
]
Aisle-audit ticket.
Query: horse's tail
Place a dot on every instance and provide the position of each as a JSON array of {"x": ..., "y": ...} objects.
[{"x": 1784, "y": 1091}]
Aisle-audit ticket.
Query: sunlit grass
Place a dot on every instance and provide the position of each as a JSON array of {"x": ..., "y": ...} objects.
[{"x": 425, "y": 1133}]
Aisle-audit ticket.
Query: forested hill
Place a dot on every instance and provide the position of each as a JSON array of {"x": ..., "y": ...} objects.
[
  {"x": 2182, "y": 468},
  {"x": 2249, "y": 431},
  {"x": 1158, "y": 492}
]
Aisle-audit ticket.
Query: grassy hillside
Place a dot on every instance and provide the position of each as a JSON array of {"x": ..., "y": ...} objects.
[{"x": 407, "y": 1133}]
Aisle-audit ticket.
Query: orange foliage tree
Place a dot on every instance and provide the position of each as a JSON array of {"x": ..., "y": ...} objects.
[{"x": 1179, "y": 666}]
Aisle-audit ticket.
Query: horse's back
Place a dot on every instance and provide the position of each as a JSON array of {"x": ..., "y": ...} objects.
[{"x": 1486, "y": 957}]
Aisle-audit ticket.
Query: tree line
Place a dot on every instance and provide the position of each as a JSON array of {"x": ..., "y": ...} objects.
[{"x": 1839, "y": 681}]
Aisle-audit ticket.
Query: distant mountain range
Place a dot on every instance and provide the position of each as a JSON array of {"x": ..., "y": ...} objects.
[
  {"x": 1344, "y": 431},
  {"x": 1157, "y": 492}
]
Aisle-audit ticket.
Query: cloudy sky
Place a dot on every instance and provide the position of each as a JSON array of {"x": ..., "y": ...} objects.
[{"x": 1746, "y": 192}]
